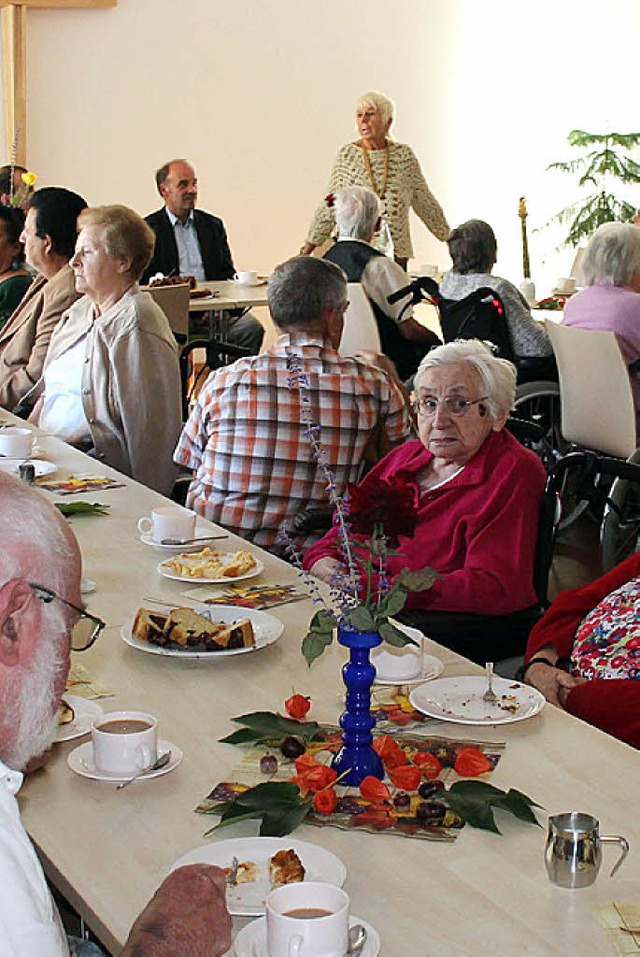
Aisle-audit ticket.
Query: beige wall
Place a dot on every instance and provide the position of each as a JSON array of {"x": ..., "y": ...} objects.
[{"x": 259, "y": 95}]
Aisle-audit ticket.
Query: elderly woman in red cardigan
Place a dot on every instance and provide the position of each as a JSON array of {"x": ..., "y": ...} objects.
[
  {"x": 478, "y": 497},
  {"x": 584, "y": 654}
]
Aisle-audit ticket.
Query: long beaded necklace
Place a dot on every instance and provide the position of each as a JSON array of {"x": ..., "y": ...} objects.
[{"x": 367, "y": 162}]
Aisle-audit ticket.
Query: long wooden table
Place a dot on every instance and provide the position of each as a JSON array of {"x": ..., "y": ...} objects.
[{"x": 485, "y": 894}]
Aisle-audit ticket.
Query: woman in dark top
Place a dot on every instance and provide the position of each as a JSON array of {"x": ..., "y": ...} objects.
[{"x": 14, "y": 279}]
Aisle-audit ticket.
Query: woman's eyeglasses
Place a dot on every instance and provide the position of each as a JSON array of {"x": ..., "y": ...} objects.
[
  {"x": 86, "y": 629},
  {"x": 452, "y": 405}
]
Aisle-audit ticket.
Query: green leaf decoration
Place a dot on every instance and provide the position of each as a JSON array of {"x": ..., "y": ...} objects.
[
  {"x": 82, "y": 508},
  {"x": 394, "y": 636},
  {"x": 268, "y": 724},
  {"x": 419, "y": 580},
  {"x": 322, "y": 623},
  {"x": 314, "y": 643},
  {"x": 362, "y": 619},
  {"x": 242, "y": 736},
  {"x": 277, "y": 804},
  {"x": 474, "y": 801},
  {"x": 392, "y": 603}
]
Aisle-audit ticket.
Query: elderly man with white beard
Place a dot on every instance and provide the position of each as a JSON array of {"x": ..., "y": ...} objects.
[{"x": 40, "y": 605}]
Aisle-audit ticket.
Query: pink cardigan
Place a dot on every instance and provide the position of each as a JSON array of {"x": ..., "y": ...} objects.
[{"x": 478, "y": 530}]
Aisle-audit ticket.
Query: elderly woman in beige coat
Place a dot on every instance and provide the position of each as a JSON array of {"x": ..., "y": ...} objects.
[{"x": 111, "y": 382}]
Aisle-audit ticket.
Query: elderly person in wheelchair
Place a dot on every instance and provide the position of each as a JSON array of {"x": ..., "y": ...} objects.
[
  {"x": 584, "y": 654},
  {"x": 478, "y": 494},
  {"x": 473, "y": 250},
  {"x": 402, "y": 338}
]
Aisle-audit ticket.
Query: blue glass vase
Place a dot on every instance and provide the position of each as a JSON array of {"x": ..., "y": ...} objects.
[{"x": 356, "y": 756}]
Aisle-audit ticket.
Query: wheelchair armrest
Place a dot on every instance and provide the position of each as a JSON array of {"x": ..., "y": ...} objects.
[{"x": 314, "y": 518}]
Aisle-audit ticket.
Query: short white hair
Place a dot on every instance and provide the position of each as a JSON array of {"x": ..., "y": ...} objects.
[
  {"x": 378, "y": 101},
  {"x": 357, "y": 211},
  {"x": 497, "y": 376},
  {"x": 612, "y": 256},
  {"x": 33, "y": 536}
]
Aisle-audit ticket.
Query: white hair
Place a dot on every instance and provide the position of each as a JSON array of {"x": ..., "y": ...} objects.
[
  {"x": 32, "y": 531},
  {"x": 612, "y": 256},
  {"x": 377, "y": 101},
  {"x": 498, "y": 376},
  {"x": 36, "y": 546},
  {"x": 357, "y": 211}
]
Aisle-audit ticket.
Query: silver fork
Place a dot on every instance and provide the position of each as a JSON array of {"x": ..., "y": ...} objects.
[{"x": 490, "y": 696}]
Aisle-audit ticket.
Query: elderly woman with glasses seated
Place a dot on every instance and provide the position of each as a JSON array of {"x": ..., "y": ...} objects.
[
  {"x": 478, "y": 494},
  {"x": 111, "y": 380},
  {"x": 402, "y": 338}
]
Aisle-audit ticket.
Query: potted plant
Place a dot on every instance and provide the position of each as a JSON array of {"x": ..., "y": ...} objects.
[{"x": 605, "y": 160}]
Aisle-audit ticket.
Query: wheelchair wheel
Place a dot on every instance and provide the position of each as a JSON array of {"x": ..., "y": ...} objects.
[
  {"x": 540, "y": 402},
  {"x": 620, "y": 529}
]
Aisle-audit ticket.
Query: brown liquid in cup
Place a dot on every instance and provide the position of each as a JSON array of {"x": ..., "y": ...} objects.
[
  {"x": 307, "y": 913},
  {"x": 124, "y": 726}
]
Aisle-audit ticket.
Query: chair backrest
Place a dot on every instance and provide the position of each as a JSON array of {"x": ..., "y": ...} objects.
[
  {"x": 200, "y": 357},
  {"x": 598, "y": 410},
  {"x": 360, "y": 326},
  {"x": 480, "y": 315},
  {"x": 174, "y": 302}
]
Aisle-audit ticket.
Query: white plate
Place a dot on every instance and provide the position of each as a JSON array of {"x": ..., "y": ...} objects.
[
  {"x": 146, "y": 539},
  {"x": 251, "y": 941},
  {"x": 431, "y": 668},
  {"x": 247, "y": 900},
  {"x": 460, "y": 700},
  {"x": 41, "y": 466},
  {"x": 81, "y": 761},
  {"x": 85, "y": 713},
  {"x": 257, "y": 569},
  {"x": 266, "y": 628}
]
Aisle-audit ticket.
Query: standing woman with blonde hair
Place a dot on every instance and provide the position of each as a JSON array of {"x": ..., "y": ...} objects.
[{"x": 388, "y": 168}]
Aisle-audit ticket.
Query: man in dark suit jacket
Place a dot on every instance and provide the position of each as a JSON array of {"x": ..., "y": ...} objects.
[{"x": 192, "y": 242}]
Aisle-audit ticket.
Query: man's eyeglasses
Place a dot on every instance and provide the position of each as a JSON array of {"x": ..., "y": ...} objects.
[
  {"x": 452, "y": 405},
  {"x": 87, "y": 628}
]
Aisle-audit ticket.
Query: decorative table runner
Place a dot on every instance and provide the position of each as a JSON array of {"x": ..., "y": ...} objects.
[
  {"x": 82, "y": 683},
  {"x": 397, "y": 816},
  {"x": 613, "y": 918}
]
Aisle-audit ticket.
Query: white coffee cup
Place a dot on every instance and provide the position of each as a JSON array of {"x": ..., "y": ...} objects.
[
  {"x": 170, "y": 521},
  {"x": 247, "y": 278},
  {"x": 565, "y": 286},
  {"x": 124, "y": 742},
  {"x": 399, "y": 664},
  {"x": 428, "y": 270},
  {"x": 309, "y": 919},
  {"x": 16, "y": 443}
]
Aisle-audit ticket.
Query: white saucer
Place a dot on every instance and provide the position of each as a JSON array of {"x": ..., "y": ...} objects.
[
  {"x": 41, "y": 466},
  {"x": 87, "y": 586},
  {"x": 250, "y": 285},
  {"x": 251, "y": 941},
  {"x": 146, "y": 539},
  {"x": 432, "y": 667},
  {"x": 81, "y": 761}
]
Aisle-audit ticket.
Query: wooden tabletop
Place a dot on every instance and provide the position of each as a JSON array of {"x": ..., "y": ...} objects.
[
  {"x": 229, "y": 295},
  {"x": 485, "y": 894}
]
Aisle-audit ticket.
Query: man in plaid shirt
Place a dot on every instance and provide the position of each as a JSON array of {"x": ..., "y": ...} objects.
[{"x": 247, "y": 438}]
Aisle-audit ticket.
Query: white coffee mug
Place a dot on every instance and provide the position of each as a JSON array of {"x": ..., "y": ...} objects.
[
  {"x": 565, "y": 286},
  {"x": 16, "y": 443},
  {"x": 124, "y": 742},
  {"x": 247, "y": 278},
  {"x": 170, "y": 521},
  {"x": 309, "y": 919}
]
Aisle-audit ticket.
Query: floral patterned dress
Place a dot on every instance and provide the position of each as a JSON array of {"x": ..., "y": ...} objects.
[{"x": 607, "y": 642}]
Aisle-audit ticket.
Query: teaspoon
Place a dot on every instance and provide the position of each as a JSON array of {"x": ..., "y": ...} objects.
[{"x": 162, "y": 760}]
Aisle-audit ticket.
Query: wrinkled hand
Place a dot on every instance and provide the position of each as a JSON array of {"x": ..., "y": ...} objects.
[
  {"x": 326, "y": 569},
  {"x": 186, "y": 917},
  {"x": 554, "y": 683}
]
